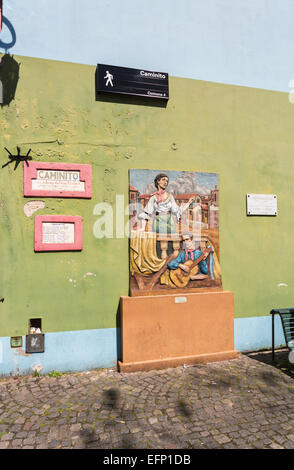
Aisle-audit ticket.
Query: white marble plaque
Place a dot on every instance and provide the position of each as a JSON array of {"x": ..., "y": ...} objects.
[
  {"x": 58, "y": 232},
  {"x": 261, "y": 204},
  {"x": 180, "y": 300},
  {"x": 58, "y": 180}
]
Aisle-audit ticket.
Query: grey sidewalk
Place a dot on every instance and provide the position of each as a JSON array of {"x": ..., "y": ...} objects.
[{"x": 243, "y": 403}]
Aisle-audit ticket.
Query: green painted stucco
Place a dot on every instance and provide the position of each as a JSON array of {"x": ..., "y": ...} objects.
[{"x": 243, "y": 134}]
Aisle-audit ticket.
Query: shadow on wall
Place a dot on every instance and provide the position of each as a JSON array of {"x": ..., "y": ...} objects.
[
  {"x": 9, "y": 76},
  {"x": 118, "y": 333}
]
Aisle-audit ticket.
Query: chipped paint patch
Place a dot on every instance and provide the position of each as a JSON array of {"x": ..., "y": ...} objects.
[
  {"x": 21, "y": 352},
  {"x": 33, "y": 206},
  {"x": 89, "y": 274},
  {"x": 281, "y": 284}
]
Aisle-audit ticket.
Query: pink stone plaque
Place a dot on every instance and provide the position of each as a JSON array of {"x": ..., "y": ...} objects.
[
  {"x": 49, "y": 179},
  {"x": 58, "y": 233}
]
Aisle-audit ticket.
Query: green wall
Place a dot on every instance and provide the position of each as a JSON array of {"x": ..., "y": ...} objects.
[{"x": 243, "y": 134}]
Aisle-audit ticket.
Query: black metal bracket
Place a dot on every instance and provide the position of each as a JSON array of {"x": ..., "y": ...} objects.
[{"x": 17, "y": 158}]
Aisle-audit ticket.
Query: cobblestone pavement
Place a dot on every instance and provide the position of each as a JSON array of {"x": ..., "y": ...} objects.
[{"x": 243, "y": 403}]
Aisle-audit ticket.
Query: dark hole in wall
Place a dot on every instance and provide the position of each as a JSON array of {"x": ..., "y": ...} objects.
[
  {"x": 9, "y": 76},
  {"x": 35, "y": 323}
]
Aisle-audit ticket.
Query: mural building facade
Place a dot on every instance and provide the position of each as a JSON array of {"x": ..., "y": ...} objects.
[{"x": 109, "y": 202}]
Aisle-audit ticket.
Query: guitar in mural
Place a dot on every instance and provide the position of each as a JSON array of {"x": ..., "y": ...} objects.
[{"x": 181, "y": 277}]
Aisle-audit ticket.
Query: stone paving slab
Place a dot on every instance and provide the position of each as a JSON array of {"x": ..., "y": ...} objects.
[{"x": 244, "y": 403}]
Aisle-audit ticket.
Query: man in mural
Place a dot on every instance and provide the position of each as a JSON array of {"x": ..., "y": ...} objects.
[
  {"x": 190, "y": 264},
  {"x": 190, "y": 252},
  {"x": 163, "y": 205}
]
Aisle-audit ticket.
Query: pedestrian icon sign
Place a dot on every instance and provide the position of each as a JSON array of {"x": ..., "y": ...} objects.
[
  {"x": 112, "y": 79},
  {"x": 108, "y": 78}
]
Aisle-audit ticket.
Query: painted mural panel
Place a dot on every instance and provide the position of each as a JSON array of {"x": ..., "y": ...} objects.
[{"x": 174, "y": 231}]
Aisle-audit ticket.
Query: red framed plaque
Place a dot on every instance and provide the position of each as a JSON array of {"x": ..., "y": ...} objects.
[
  {"x": 49, "y": 179},
  {"x": 58, "y": 233}
]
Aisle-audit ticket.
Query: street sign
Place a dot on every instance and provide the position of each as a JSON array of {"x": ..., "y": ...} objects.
[{"x": 127, "y": 81}]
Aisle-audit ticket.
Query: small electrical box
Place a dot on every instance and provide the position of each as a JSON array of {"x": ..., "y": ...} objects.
[{"x": 16, "y": 341}]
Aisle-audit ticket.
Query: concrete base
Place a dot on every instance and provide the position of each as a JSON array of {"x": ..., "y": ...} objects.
[
  {"x": 175, "y": 361},
  {"x": 171, "y": 330}
]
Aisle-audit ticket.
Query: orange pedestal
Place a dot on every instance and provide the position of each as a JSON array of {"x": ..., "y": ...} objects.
[{"x": 171, "y": 330}]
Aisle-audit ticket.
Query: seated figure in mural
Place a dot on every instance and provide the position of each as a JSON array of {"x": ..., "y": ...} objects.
[
  {"x": 190, "y": 264},
  {"x": 163, "y": 206}
]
